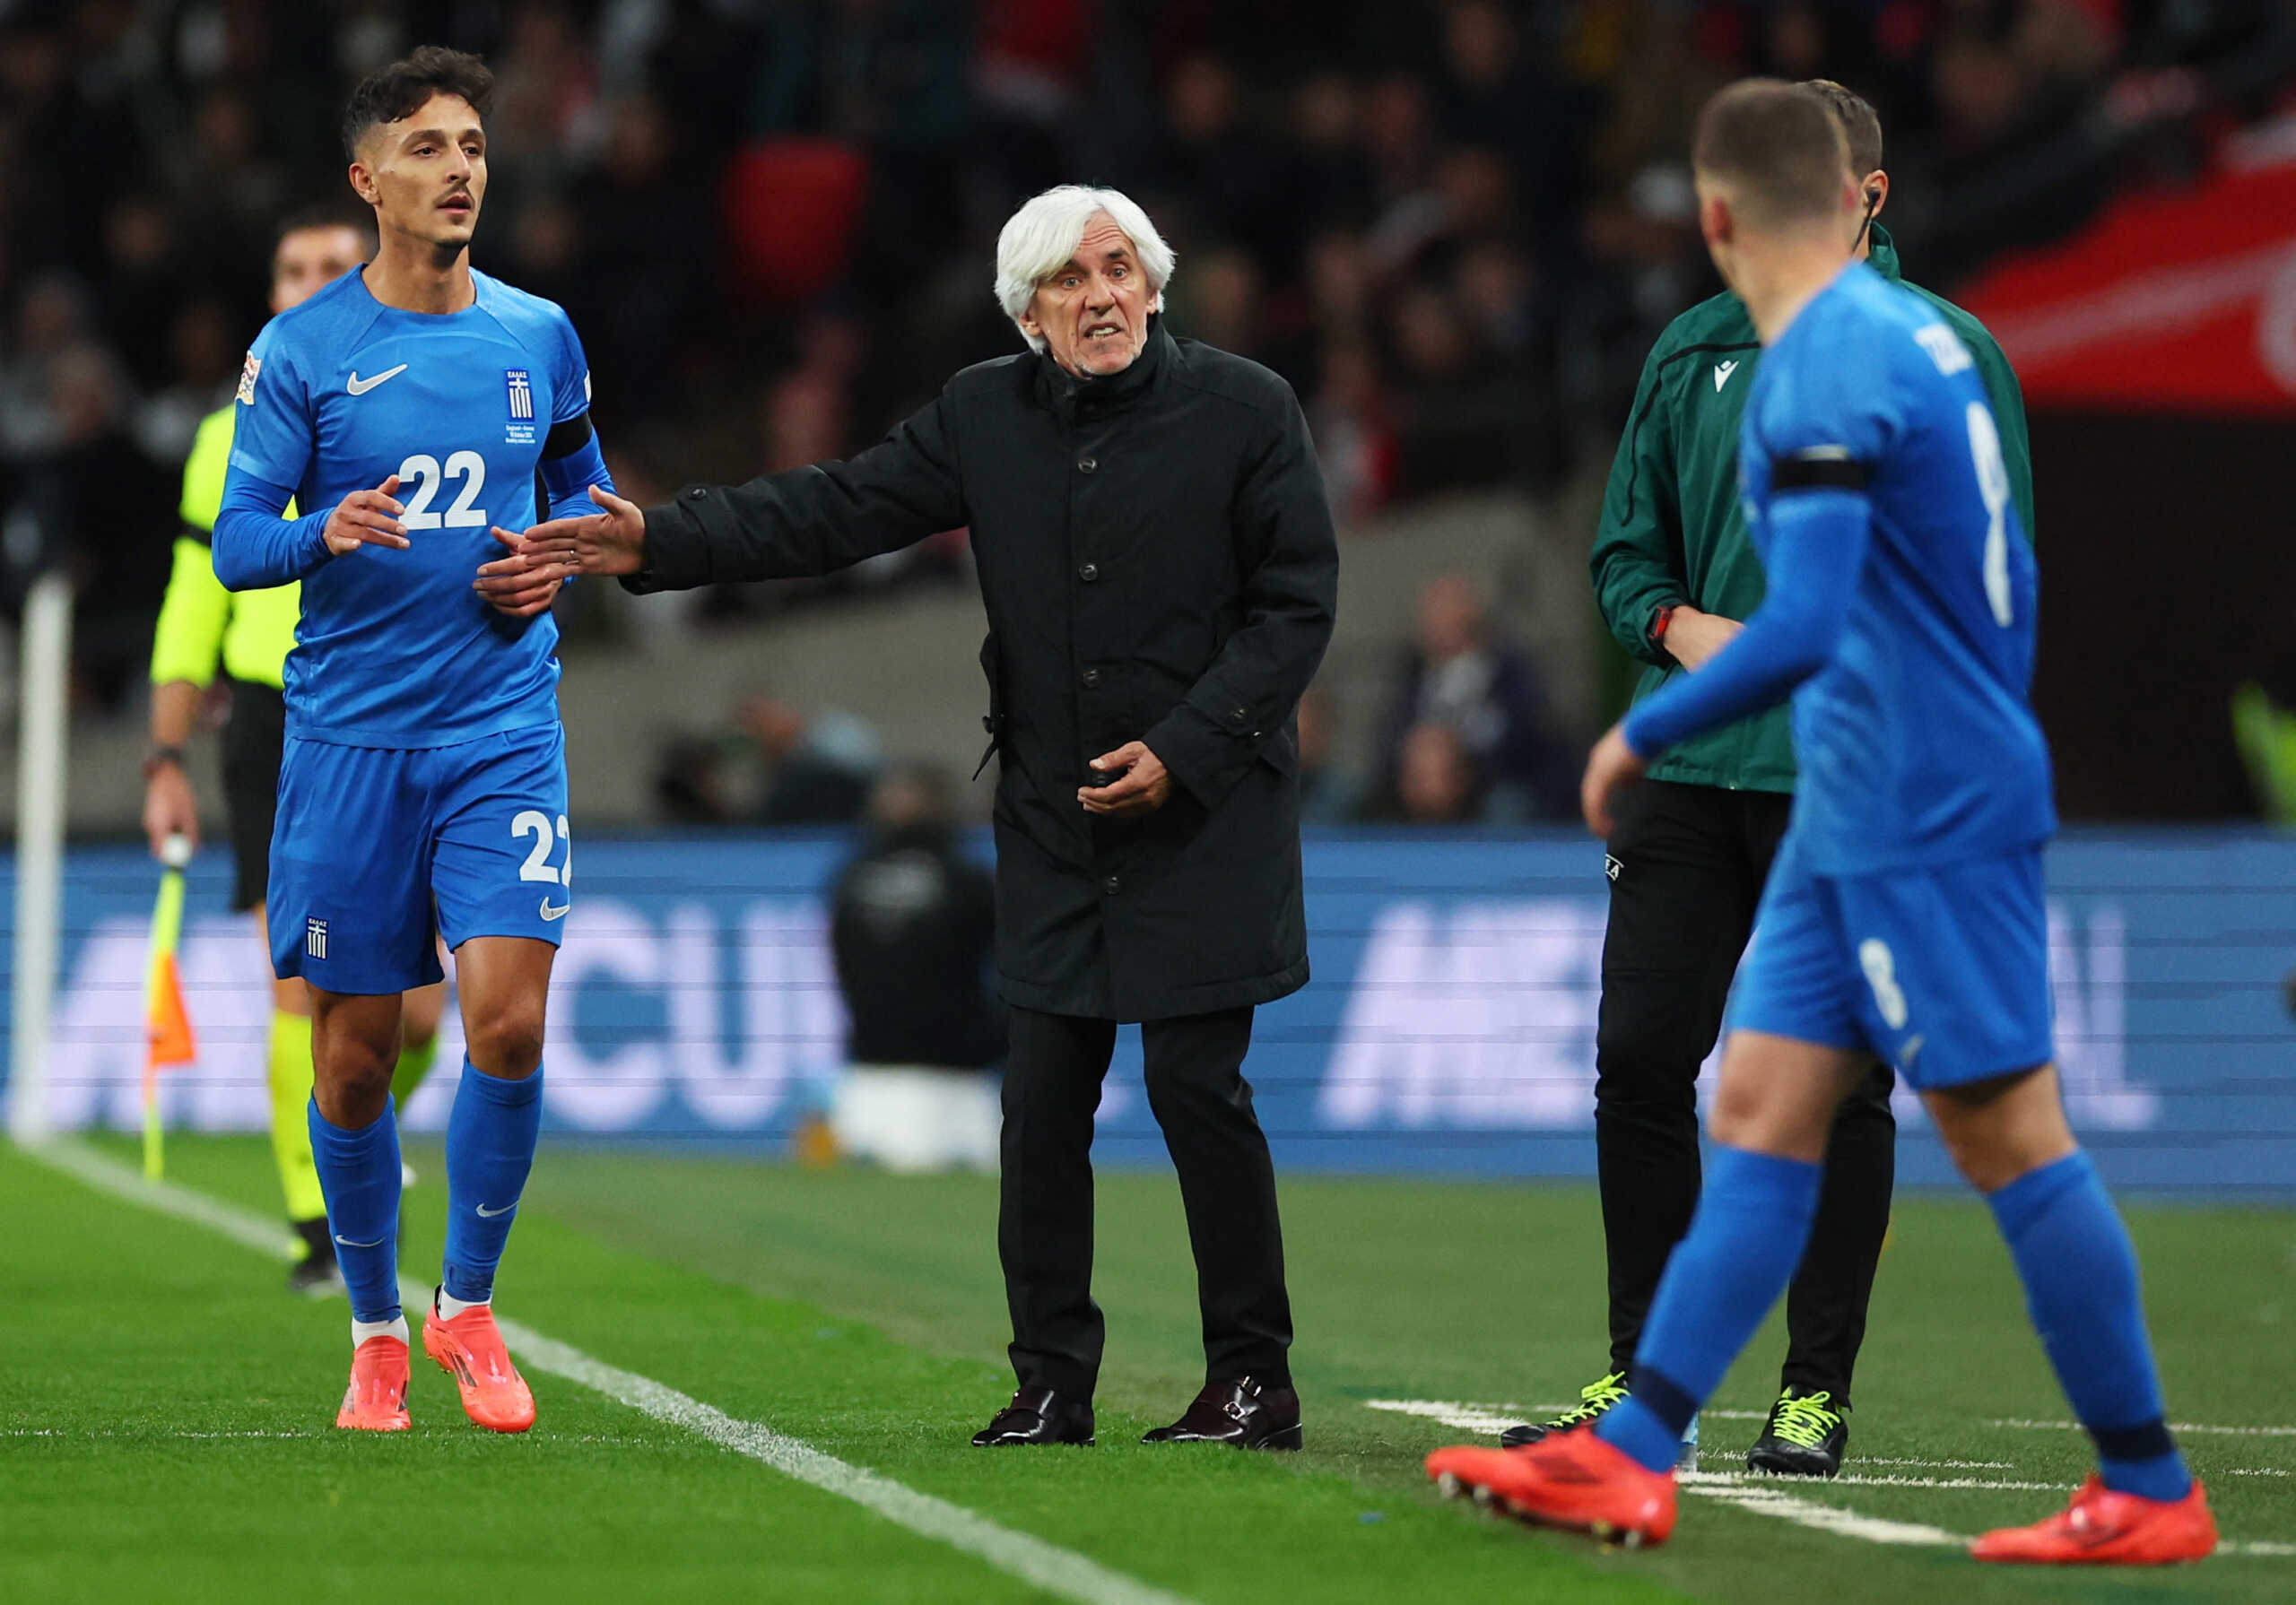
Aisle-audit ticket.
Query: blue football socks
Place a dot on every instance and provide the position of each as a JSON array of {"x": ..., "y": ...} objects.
[
  {"x": 1752, "y": 1223},
  {"x": 2079, "y": 1270},
  {"x": 490, "y": 1148},
  {"x": 360, "y": 1175}
]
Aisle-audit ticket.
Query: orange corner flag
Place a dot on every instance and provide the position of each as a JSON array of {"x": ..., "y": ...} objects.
[{"x": 167, "y": 1024}]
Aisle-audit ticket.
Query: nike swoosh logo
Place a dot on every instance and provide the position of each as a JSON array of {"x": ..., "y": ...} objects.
[
  {"x": 347, "y": 1243},
  {"x": 359, "y": 386},
  {"x": 557, "y": 912},
  {"x": 486, "y": 1214}
]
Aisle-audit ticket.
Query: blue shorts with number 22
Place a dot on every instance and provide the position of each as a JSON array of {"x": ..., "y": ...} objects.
[{"x": 377, "y": 848}]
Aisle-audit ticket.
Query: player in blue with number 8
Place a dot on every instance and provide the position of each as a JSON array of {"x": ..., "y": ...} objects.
[
  {"x": 411, "y": 404},
  {"x": 1904, "y": 914}
]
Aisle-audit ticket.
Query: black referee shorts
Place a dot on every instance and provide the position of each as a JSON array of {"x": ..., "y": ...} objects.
[{"x": 255, "y": 739}]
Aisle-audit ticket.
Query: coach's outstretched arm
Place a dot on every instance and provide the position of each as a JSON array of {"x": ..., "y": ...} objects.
[
  {"x": 807, "y": 522},
  {"x": 1290, "y": 559}
]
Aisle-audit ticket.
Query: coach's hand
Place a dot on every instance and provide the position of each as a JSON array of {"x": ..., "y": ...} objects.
[
  {"x": 1141, "y": 786},
  {"x": 1694, "y": 637},
  {"x": 612, "y": 541},
  {"x": 1611, "y": 768},
  {"x": 365, "y": 519}
]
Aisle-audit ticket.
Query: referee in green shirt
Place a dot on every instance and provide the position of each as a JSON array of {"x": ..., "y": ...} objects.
[
  {"x": 249, "y": 634},
  {"x": 1674, "y": 574}
]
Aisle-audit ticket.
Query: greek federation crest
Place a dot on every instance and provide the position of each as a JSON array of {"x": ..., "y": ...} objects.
[{"x": 519, "y": 397}]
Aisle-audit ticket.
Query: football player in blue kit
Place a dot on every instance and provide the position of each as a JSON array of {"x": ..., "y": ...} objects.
[
  {"x": 1904, "y": 913},
  {"x": 410, "y": 404}
]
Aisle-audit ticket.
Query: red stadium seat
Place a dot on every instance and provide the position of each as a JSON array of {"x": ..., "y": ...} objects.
[{"x": 790, "y": 204}]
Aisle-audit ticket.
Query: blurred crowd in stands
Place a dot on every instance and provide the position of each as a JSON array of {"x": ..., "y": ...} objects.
[{"x": 1454, "y": 225}]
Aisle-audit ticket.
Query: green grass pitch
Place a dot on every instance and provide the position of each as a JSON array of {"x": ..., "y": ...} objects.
[{"x": 165, "y": 1407}]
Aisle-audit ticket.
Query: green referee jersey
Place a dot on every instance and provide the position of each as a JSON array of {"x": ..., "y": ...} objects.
[
  {"x": 1672, "y": 531},
  {"x": 201, "y": 623}
]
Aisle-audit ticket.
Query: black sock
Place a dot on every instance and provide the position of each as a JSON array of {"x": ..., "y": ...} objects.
[{"x": 318, "y": 1246}]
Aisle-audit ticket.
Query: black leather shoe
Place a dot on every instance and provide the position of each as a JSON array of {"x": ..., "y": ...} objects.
[
  {"x": 1038, "y": 1415},
  {"x": 1243, "y": 1413}
]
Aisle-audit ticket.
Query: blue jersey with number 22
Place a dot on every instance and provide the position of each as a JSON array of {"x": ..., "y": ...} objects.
[
  {"x": 394, "y": 648},
  {"x": 1916, "y": 740}
]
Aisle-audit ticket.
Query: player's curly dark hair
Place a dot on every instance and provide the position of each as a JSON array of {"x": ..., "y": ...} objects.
[{"x": 397, "y": 91}]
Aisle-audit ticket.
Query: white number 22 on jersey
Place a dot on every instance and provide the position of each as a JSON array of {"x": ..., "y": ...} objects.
[
  {"x": 1993, "y": 484},
  {"x": 422, "y": 471}
]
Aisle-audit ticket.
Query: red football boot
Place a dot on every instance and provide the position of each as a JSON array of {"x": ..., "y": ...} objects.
[
  {"x": 375, "y": 1400},
  {"x": 2104, "y": 1528},
  {"x": 1570, "y": 1479},
  {"x": 470, "y": 1349}
]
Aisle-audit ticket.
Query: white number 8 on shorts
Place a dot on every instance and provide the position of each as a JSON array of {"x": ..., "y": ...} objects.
[{"x": 1873, "y": 957}]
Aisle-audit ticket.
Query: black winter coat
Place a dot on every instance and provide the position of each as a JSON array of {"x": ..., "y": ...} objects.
[{"x": 1156, "y": 557}]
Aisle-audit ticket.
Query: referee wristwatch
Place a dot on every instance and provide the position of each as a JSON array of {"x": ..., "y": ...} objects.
[
  {"x": 1660, "y": 620},
  {"x": 162, "y": 758}
]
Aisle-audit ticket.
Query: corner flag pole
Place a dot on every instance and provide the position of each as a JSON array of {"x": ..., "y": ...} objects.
[{"x": 167, "y": 1028}]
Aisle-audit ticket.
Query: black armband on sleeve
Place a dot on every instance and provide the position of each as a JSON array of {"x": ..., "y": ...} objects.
[
  {"x": 1821, "y": 468},
  {"x": 192, "y": 532},
  {"x": 565, "y": 439}
]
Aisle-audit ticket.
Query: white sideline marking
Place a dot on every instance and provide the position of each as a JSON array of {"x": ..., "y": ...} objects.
[
  {"x": 1512, "y": 1415},
  {"x": 1860, "y": 1479},
  {"x": 1046, "y": 1565},
  {"x": 1827, "y": 1518},
  {"x": 2236, "y": 1432},
  {"x": 1466, "y": 1417}
]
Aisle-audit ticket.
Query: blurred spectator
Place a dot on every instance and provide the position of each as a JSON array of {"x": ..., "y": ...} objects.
[
  {"x": 1467, "y": 735},
  {"x": 1328, "y": 794},
  {"x": 818, "y": 768},
  {"x": 1327, "y": 182},
  {"x": 546, "y": 91},
  {"x": 1354, "y": 437},
  {"x": 1210, "y": 172},
  {"x": 140, "y": 281},
  {"x": 1436, "y": 780},
  {"x": 912, "y": 925},
  {"x": 645, "y": 252},
  {"x": 203, "y": 351},
  {"x": 112, "y": 511},
  {"x": 690, "y": 782}
]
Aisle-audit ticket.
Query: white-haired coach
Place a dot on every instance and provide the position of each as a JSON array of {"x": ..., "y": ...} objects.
[{"x": 1156, "y": 557}]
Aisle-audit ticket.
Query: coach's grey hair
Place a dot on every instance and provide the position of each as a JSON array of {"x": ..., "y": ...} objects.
[{"x": 1040, "y": 239}]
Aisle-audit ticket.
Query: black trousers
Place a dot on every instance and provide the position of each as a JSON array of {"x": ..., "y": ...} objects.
[
  {"x": 1044, "y": 1228},
  {"x": 1687, "y": 867}
]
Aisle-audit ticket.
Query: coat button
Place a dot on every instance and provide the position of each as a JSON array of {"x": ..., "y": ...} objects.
[
  {"x": 696, "y": 493},
  {"x": 1111, "y": 886},
  {"x": 1088, "y": 573},
  {"x": 1091, "y": 678},
  {"x": 1238, "y": 717},
  {"x": 1086, "y": 465}
]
